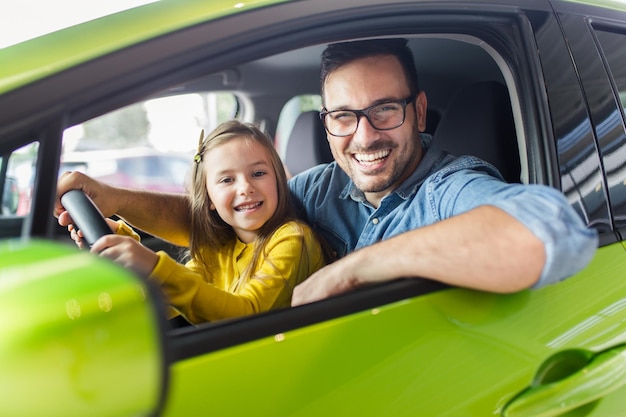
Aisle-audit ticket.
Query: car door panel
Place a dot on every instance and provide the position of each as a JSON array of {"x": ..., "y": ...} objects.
[{"x": 468, "y": 353}]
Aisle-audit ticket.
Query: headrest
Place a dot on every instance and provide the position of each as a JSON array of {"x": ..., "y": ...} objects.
[
  {"x": 478, "y": 121},
  {"x": 307, "y": 144}
]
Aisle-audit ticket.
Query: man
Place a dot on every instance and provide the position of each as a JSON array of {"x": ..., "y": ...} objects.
[{"x": 393, "y": 205}]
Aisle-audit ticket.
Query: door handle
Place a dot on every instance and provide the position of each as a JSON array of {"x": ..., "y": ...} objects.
[{"x": 605, "y": 373}]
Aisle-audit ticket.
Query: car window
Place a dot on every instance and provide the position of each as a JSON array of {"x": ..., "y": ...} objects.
[
  {"x": 612, "y": 47},
  {"x": 146, "y": 145},
  {"x": 614, "y": 153},
  {"x": 19, "y": 175}
]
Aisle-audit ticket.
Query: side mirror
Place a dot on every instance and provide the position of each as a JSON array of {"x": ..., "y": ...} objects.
[{"x": 79, "y": 336}]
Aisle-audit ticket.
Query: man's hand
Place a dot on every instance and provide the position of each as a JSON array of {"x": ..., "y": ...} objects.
[
  {"x": 166, "y": 215},
  {"x": 336, "y": 278},
  {"x": 99, "y": 192}
]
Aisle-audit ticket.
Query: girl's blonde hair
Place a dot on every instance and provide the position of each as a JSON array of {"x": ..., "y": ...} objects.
[{"x": 208, "y": 230}]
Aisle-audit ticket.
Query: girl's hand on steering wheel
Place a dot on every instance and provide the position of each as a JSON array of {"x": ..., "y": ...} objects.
[
  {"x": 77, "y": 235},
  {"x": 127, "y": 252}
]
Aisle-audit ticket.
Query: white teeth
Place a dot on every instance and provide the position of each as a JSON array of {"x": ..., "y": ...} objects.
[
  {"x": 248, "y": 206},
  {"x": 370, "y": 157}
]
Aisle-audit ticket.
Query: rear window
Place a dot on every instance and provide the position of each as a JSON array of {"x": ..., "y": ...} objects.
[{"x": 148, "y": 145}]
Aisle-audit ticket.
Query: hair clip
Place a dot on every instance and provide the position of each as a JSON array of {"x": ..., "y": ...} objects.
[{"x": 198, "y": 156}]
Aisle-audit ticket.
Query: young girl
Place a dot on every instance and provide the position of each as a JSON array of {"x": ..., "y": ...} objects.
[{"x": 247, "y": 249}]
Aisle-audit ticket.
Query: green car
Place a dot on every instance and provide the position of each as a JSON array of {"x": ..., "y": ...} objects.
[{"x": 80, "y": 336}]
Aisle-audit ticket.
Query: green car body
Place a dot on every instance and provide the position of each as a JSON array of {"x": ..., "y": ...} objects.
[
  {"x": 72, "y": 326},
  {"x": 30, "y": 61},
  {"x": 324, "y": 368},
  {"x": 93, "y": 347},
  {"x": 80, "y": 336}
]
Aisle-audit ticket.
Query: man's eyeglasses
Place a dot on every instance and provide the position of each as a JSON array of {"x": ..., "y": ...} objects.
[{"x": 384, "y": 116}]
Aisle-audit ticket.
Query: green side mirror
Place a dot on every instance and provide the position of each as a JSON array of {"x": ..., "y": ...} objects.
[{"x": 79, "y": 336}]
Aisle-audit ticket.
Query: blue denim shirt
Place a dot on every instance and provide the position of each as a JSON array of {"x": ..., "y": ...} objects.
[{"x": 441, "y": 187}]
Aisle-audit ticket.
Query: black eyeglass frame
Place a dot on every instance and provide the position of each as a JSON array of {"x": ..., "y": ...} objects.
[{"x": 365, "y": 113}]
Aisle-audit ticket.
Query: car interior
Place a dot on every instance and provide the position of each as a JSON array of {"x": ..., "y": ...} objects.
[
  {"x": 463, "y": 78},
  {"x": 471, "y": 108}
]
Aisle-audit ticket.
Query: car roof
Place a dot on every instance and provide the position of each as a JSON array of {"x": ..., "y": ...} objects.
[
  {"x": 28, "y": 61},
  {"x": 37, "y": 58}
]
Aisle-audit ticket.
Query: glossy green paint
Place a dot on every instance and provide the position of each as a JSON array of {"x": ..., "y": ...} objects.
[
  {"x": 609, "y": 4},
  {"x": 389, "y": 361},
  {"x": 79, "y": 336},
  {"x": 604, "y": 374},
  {"x": 35, "y": 59}
]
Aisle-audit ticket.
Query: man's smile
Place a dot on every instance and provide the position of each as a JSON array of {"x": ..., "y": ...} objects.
[{"x": 372, "y": 157}]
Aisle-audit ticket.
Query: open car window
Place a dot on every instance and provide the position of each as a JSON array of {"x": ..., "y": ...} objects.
[{"x": 147, "y": 145}]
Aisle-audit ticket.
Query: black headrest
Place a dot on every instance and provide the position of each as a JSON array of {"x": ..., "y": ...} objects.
[
  {"x": 478, "y": 121},
  {"x": 307, "y": 144}
]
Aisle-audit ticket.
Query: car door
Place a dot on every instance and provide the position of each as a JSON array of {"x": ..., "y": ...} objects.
[{"x": 450, "y": 352}]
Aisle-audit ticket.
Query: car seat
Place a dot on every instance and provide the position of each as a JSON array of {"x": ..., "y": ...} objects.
[
  {"x": 478, "y": 121},
  {"x": 307, "y": 145}
]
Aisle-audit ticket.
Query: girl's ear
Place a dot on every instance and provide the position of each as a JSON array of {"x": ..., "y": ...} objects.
[{"x": 208, "y": 200}]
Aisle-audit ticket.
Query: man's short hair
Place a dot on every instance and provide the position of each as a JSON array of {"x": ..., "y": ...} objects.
[{"x": 338, "y": 54}]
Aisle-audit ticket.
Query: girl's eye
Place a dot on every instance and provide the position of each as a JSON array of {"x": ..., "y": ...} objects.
[
  {"x": 226, "y": 180},
  {"x": 258, "y": 173}
]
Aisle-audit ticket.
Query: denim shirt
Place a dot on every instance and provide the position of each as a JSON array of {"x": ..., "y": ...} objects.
[{"x": 442, "y": 186}]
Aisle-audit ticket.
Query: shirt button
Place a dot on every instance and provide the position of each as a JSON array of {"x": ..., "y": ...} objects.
[{"x": 375, "y": 220}]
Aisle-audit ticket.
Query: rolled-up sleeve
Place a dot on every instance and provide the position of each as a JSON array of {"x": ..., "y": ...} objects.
[{"x": 569, "y": 244}]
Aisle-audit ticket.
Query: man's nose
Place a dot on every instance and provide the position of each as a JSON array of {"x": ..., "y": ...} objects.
[{"x": 365, "y": 133}]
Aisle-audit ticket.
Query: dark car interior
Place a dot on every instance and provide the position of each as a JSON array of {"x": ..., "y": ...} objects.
[{"x": 464, "y": 84}]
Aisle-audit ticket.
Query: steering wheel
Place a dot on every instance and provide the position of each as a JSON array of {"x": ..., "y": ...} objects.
[{"x": 86, "y": 216}]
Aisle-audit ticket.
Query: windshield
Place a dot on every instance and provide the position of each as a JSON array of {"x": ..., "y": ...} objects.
[{"x": 29, "y": 19}]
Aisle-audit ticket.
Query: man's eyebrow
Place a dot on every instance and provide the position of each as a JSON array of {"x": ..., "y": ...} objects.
[{"x": 375, "y": 103}]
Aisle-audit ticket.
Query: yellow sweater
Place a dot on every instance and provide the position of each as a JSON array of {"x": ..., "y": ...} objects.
[{"x": 205, "y": 292}]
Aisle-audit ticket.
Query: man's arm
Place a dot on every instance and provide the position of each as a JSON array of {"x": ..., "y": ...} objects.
[
  {"x": 163, "y": 215},
  {"x": 484, "y": 249}
]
